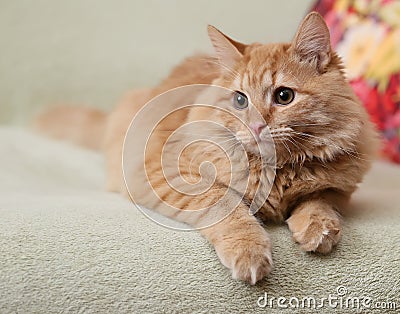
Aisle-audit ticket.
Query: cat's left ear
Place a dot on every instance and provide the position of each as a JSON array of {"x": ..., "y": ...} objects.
[
  {"x": 228, "y": 51},
  {"x": 312, "y": 41}
]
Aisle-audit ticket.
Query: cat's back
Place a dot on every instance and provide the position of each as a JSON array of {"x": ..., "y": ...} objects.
[{"x": 197, "y": 69}]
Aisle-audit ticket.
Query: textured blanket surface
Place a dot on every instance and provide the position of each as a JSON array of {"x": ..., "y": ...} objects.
[{"x": 69, "y": 246}]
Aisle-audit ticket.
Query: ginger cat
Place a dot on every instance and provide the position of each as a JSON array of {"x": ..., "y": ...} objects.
[{"x": 322, "y": 137}]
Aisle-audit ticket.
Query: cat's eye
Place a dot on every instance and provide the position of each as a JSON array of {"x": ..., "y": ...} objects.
[
  {"x": 284, "y": 95},
  {"x": 240, "y": 100}
]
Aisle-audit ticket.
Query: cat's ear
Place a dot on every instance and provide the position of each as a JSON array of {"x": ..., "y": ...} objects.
[
  {"x": 228, "y": 51},
  {"x": 312, "y": 41}
]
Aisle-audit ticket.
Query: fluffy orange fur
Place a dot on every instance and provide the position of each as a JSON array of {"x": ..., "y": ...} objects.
[{"x": 324, "y": 143}]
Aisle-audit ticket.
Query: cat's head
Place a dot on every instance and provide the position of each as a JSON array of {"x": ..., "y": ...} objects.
[{"x": 298, "y": 90}]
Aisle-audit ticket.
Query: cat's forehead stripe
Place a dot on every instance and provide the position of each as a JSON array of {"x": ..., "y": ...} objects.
[
  {"x": 266, "y": 77},
  {"x": 262, "y": 78},
  {"x": 246, "y": 79}
]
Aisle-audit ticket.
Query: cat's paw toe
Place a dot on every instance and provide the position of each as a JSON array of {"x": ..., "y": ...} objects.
[
  {"x": 318, "y": 236},
  {"x": 247, "y": 262},
  {"x": 252, "y": 267}
]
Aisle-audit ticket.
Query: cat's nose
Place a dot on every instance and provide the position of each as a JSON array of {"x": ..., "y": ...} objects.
[{"x": 257, "y": 127}]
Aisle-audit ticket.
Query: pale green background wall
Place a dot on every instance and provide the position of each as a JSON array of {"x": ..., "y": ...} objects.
[{"x": 91, "y": 51}]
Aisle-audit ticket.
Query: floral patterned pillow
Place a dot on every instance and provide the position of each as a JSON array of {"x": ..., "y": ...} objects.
[{"x": 366, "y": 34}]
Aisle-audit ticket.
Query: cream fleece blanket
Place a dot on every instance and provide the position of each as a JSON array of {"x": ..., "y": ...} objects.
[{"x": 68, "y": 246}]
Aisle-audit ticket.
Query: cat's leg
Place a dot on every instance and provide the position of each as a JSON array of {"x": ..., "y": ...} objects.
[
  {"x": 218, "y": 212},
  {"x": 242, "y": 245},
  {"x": 315, "y": 225},
  {"x": 240, "y": 241}
]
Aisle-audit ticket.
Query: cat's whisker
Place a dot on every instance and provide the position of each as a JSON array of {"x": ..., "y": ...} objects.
[
  {"x": 278, "y": 130},
  {"x": 245, "y": 139},
  {"x": 318, "y": 140},
  {"x": 279, "y": 135},
  {"x": 204, "y": 135},
  {"x": 236, "y": 143},
  {"x": 326, "y": 142},
  {"x": 294, "y": 142},
  {"x": 302, "y": 156},
  {"x": 287, "y": 137},
  {"x": 309, "y": 124},
  {"x": 287, "y": 148}
]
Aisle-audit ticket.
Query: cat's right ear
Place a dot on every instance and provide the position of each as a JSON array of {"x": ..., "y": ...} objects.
[
  {"x": 312, "y": 41},
  {"x": 228, "y": 51}
]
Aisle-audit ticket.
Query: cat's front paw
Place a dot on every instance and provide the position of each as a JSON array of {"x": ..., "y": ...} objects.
[
  {"x": 315, "y": 235},
  {"x": 249, "y": 260}
]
